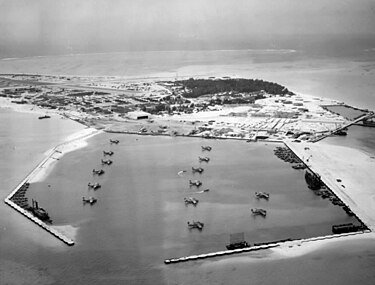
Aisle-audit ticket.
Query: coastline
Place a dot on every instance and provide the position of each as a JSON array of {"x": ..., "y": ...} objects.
[
  {"x": 72, "y": 143},
  {"x": 78, "y": 140},
  {"x": 65, "y": 233},
  {"x": 5, "y": 103}
]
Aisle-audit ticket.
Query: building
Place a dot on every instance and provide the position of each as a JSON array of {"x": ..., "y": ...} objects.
[{"x": 138, "y": 115}]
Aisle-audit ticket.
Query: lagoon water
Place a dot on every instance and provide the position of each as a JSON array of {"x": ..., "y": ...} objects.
[{"x": 140, "y": 218}]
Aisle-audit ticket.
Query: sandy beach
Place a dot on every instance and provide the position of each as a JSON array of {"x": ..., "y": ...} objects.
[
  {"x": 72, "y": 143},
  {"x": 24, "y": 108}
]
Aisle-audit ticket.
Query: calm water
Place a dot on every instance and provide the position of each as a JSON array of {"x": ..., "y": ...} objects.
[
  {"x": 346, "y": 112},
  {"x": 140, "y": 218},
  {"x": 359, "y": 137}
]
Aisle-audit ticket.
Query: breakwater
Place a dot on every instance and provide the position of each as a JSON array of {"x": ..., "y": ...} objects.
[
  {"x": 269, "y": 245},
  {"x": 17, "y": 200},
  {"x": 13, "y": 201},
  {"x": 40, "y": 223}
]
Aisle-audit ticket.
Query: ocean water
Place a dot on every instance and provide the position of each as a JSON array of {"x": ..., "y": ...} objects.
[
  {"x": 140, "y": 218},
  {"x": 348, "y": 78}
]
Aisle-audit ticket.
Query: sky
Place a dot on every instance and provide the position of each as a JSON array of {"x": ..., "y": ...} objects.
[{"x": 73, "y": 26}]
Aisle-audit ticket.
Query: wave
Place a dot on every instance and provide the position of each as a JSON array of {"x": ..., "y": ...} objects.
[
  {"x": 10, "y": 58},
  {"x": 264, "y": 51}
]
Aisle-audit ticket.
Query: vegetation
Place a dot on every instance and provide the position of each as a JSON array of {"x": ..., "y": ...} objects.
[{"x": 197, "y": 87}]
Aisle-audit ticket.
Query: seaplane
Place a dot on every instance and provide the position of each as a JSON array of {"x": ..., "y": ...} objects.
[
  {"x": 108, "y": 162},
  {"x": 199, "y": 169},
  {"x": 208, "y": 148},
  {"x": 197, "y": 225},
  {"x": 98, "y": 172},
  {"x": 261, "y": 212},
  {"x": 110, "y": 153},
  {"x": 191, "y": 200},
  {"x": 90, "y": 200},
  {"x": 114, "y": 141},
  {"x": 195, "y": 183},
  {"x": 94, "y": 185},
  {"x": 263, "y": 195},
  {"x": 205, "y": 159}
]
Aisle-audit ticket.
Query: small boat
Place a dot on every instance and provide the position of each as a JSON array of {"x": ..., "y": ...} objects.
[
  {"x": 90, "y": 200},
  {"x": 299, "y": 166},
  {"x": 98, "y": 172},
  {"x": 204, "y": 159},
  {"x": 108, "y": 162},
  {"x": 195, "y": 183},
  {"x": 208, "y": 148},
  {"x": 191, "y": 200},
  {"x": 237, "y": 241},
  {"x": 94, "y": 186},
  {"x": 340, "y": 133},
  {"x": 195, "y": 225},
  {"x": 313, "y": 180},
  {"x": 263, "y": 195},
  {"x": 206, "y": 190},
  {"x": 198, "y": 169},
  {"x": 110, "y": 153},
  {"x": 257, "y": 211},
  {"x": 44, "y": 117},
  {"x": 114, "y": 141}
]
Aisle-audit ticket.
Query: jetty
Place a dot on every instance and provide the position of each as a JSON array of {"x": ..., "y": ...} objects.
[
  {"x": 347, "y": 172},
  {"x": 33, "y": 218},
  {"x": 341, "y": 130},
  {"x": 44, "y": 163},
  {"x": 261, "y": 246}
]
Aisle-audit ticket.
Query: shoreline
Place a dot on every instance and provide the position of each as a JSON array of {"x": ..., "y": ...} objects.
[
  {"x": 72, "y": 143},
  {"x": 78, "y": 140},
  {"x": 41, "y": 171}
]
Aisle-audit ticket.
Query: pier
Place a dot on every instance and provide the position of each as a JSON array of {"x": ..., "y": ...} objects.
[{"x": 356, "y": 121}]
